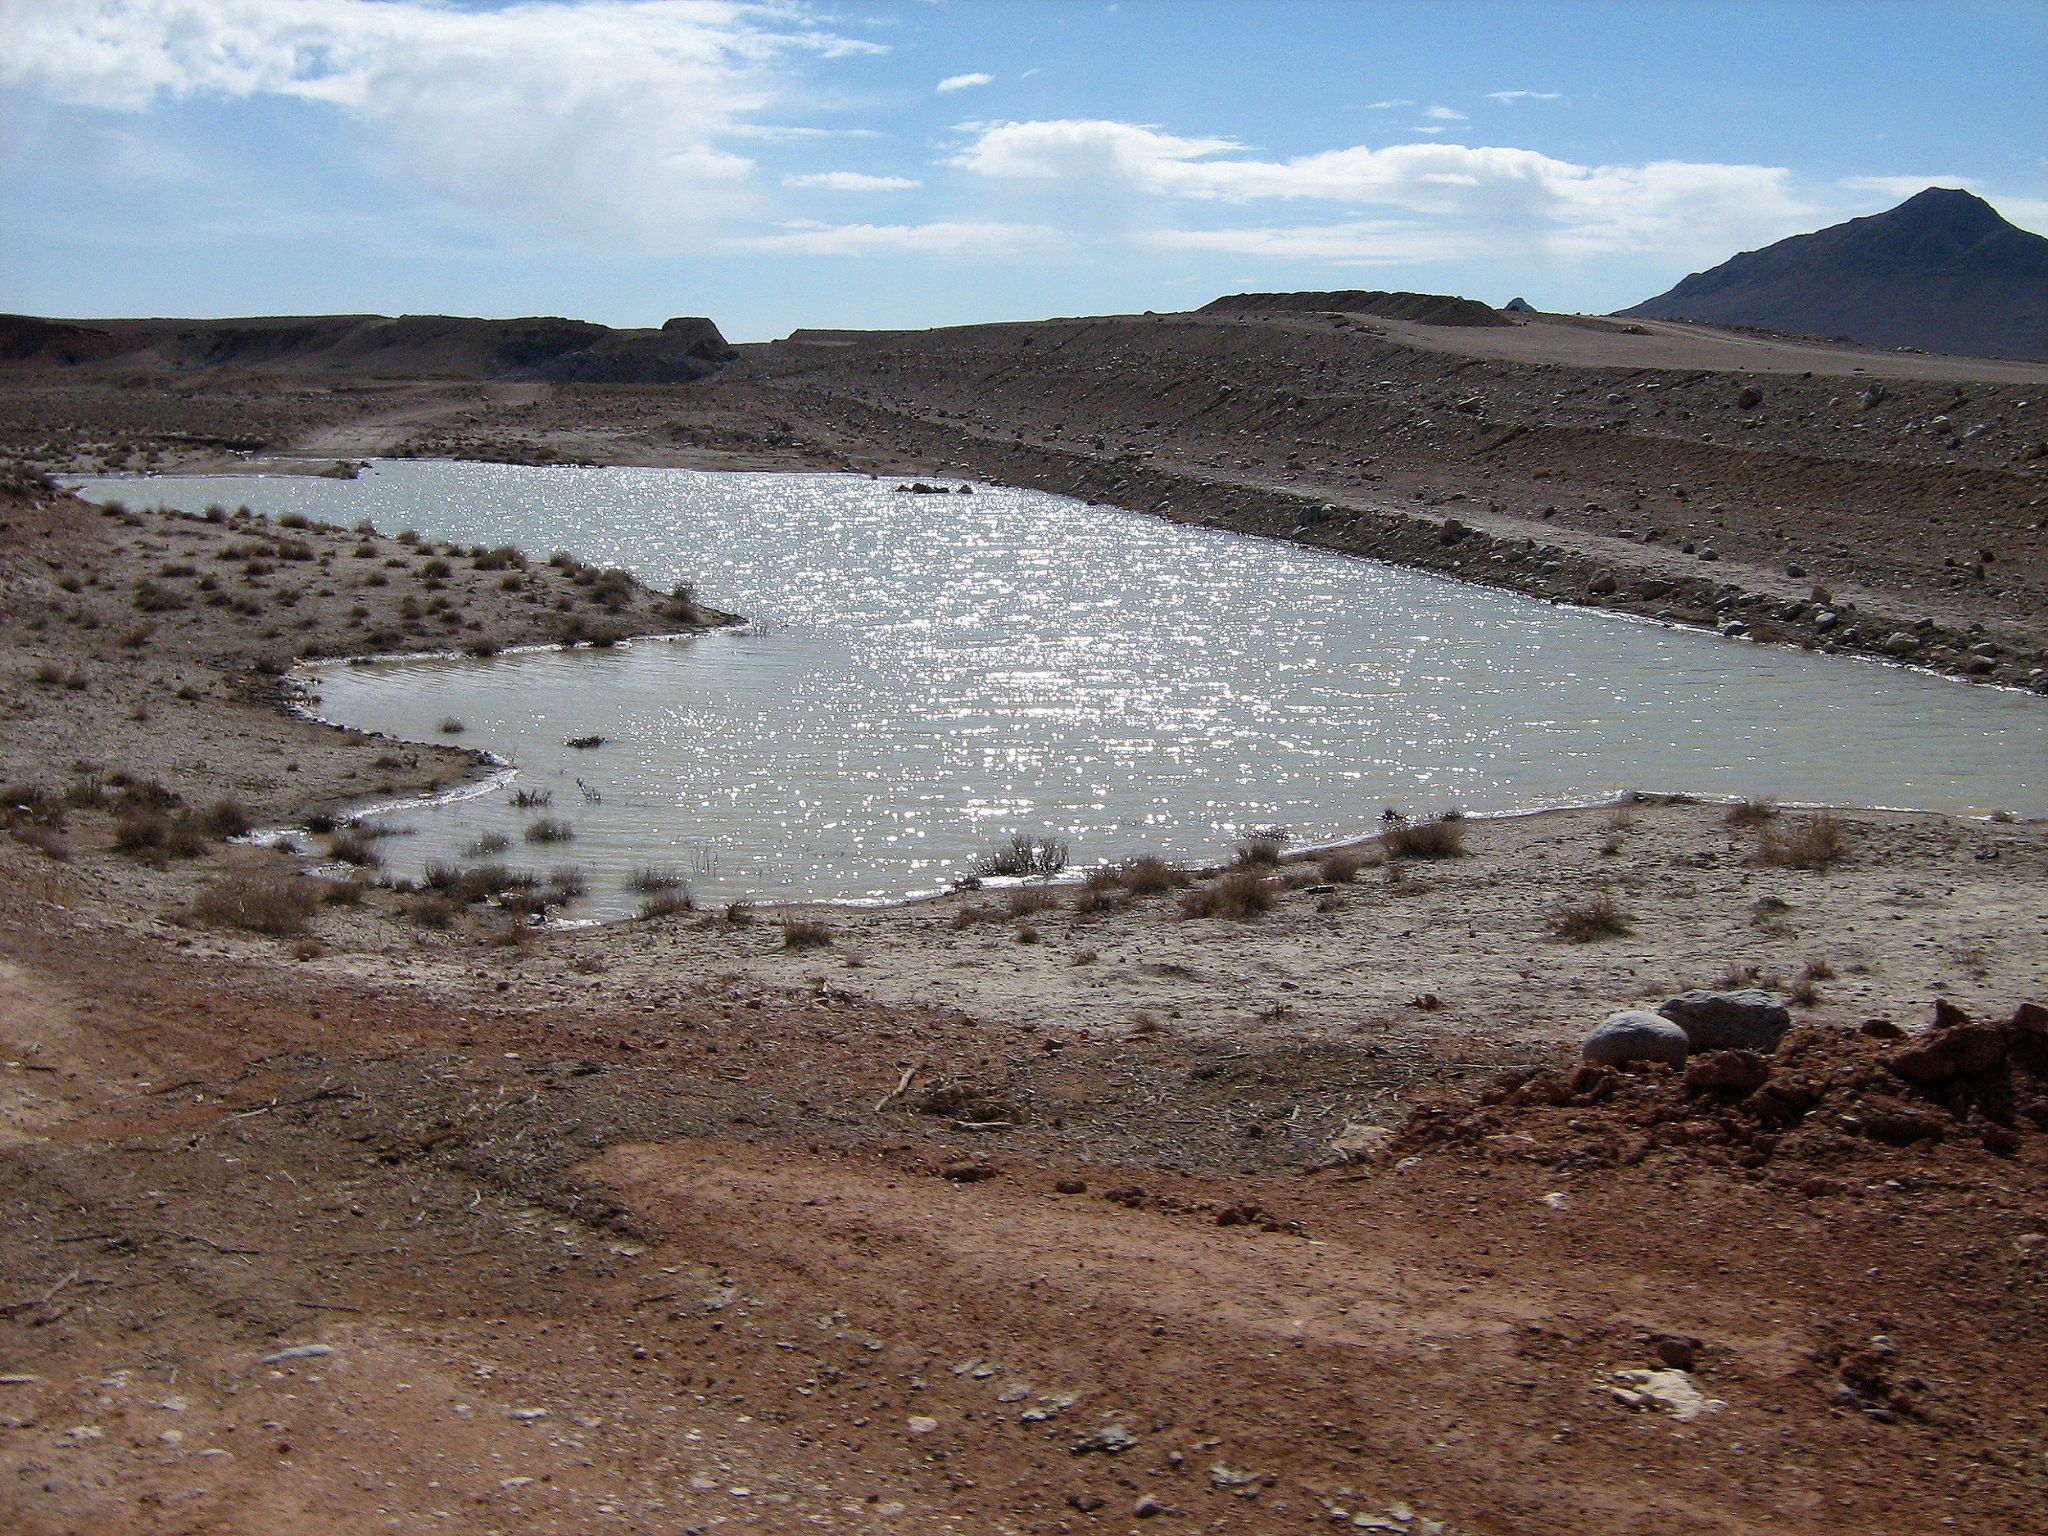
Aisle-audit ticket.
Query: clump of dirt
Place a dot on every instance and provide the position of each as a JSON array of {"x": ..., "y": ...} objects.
[{"x": 1826, "y": 1091}]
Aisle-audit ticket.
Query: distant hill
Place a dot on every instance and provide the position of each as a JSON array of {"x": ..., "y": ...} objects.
[
  {"x": 1942, "y": 272},
  {"x": 1427, "y": 308},
  {"x": 410, "y": 346}
]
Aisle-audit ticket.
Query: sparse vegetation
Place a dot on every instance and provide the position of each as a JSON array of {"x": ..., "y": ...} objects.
[
  {"x": 1258, "y": 853},
  {"x": 652, "y": 879},
  {"x": 1023, "y": 855},
  {"x": 585, "y": 743},
  {"x": 1598, "y": 917},
  {"x": 1340, "y": 866},
  {"x": 279, "y": 906},
  {"x": 532, "y": 799},
  {"x": 1242, "y": 894},
  {"x": 549, "y": 829},
  {"x": 1750, "y": 813},
  {"x": 1443, "y": 838},
  {"x": 804, "y": 932},
  {"x": 1816, "y": 843}
]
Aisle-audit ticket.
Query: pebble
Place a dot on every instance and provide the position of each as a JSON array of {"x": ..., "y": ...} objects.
[
  {"x": 298, "y": 1352},
  {"x": 922, "y": 1423}
]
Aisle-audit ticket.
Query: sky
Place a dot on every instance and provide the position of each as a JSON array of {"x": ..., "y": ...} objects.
[{"x": 903, "y": 163}]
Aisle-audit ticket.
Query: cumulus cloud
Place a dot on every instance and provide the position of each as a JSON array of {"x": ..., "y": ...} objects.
[
  {"x": 1665, "y": 207},
  {"x": 963, "y": 237},
  {"x": 1509, "y": 98},
  {"x": 851, "y": 181},
  {"x": 1444, "y": 115},
  {"x": 964, "y": 82},
  {"x": 613, "y": 112}
]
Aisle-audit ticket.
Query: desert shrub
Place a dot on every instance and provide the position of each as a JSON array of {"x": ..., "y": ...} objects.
[
  {"x": 1258, "y": 853},
  {"x": 651, "y": 879},
  {"x": 503, "y": 558},
  {"x": 431, "y": 909},
  {"x": 739, "y": 913},
  {"x": 532, "y": 799},
  {"x": 1025, "y": 900},
  {"x": 1023, "y": 854},
  {"x": 565, "y": 883},
  {"x": 1816, "y": 843},
  {"x": 452, "y": 727},
  {"x": 585, "y": 743},
  {"x": 1340, "y": 866},
  {"x": 804, "y": 932},
  {"x": 45, "y": 839},
  {"x": 549, "y": 829},
  {"x": 1598, "y": 917},
  {"x": 355, "y": 845},
  {"x": 1750, "y": 813},
  {"x": 1443, "y": 838},
  {"x": 667, "y": 904},
  {"x": 228, "y": 818},
  {"x": 1242, "y": 894},
  {"x": 1150, "y": 876},
  {"x": 437, "y": 570},
  {"x": 487, "y": 844},
  {"x": 269, "y": 904}
]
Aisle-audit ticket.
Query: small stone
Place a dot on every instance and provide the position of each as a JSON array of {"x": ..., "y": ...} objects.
[
  {"x": 1147, "y": 1507},
  {"x": 526, "y": 1415},
  {"x": 1749, "y": 398},
  {"x": 922, "y": 1423},
  {"x": 298, "y": 1352}
]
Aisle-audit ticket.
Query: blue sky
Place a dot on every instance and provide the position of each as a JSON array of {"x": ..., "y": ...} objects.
[{"x": 919, "y": 162}]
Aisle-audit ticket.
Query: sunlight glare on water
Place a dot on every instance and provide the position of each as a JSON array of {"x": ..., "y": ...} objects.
[{"x": 926, "y": 674}]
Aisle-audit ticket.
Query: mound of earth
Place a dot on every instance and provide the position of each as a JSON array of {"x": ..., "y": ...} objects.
[
  {"x": 1942, "y": 271},
  {"x": 409, "y": 346},
  {"x": 1425, "y": 308},
  {"x": 1822, "y": 1094}
]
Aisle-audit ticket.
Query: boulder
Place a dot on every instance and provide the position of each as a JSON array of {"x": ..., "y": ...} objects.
[
  {"x": 1636, "y": 1035},
  {"x": 1749, "y": 399},
  {"x": 1747, "y": 1020},
  {"x": 1957, "y": 1050}
]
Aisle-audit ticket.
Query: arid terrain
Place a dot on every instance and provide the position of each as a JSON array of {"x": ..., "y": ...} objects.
[{"x": 1262, "y": 1198}]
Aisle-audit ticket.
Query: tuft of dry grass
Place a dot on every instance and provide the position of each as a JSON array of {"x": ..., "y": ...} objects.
[
  {"x": 549, "y": 829},
  {"x": 1023, "y": 854},
  {"x": 1258, "y": 853},
  {"x": 1340, "y": 866},
  {"x": 1443, "y": 838},
  {"x": 1598, "y": 917},
  {"x": 669, "y": 903},
  {"x": 652, "y": 879},
  {"x": 1817, "y": 843},
  {"x": 1242, "y": 894},
  {"x": 278, "y": 906},
  {"x": 1750, "y": 813},
  {"x": 804, "y": 932}
]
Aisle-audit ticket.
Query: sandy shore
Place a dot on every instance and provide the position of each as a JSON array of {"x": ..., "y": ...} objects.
[{"x": 978, "y": 1215}]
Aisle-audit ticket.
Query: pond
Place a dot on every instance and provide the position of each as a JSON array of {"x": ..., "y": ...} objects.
[{"x": 924, "y": 675}]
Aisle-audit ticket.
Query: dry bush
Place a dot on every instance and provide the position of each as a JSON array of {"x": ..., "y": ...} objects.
[
  {"x": 1750, "y": 813},
  {"x": 1340, "y": 866},
  {"x": 564, "y": 884},
  {"x": 1258, "y": 853},
  {"x": 804, "y": 932},
  {"x": 1242, "y": 894},
  {"x": 45, "y": 839},
  {"x": 228, "y": 818},
  {"x": 651, "y": 879},
  {"x": 549, "y": 829},
  {"x": 1443, "y": 838},
  {"x": 1598, "y": 917},
  {"x": 1149, "y": 876},
  {"x": 667, "y": 904},
  {"x": 739, "y": 913},
  {"x": 277, "y": 905},
  {"x": 353, "y": 845},
  {"x": 1026, "y": 900},
  {"x": 1816, "y": 843},
  {"x": 1023, "y": 854},
  {"x": 531, "y": 799},
  {"x": 431, "y": 909}
]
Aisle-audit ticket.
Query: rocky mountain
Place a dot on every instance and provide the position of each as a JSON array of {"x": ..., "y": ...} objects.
[
  {"x": 409, "y": 346},
  {"x": 1943, "y": 272}
]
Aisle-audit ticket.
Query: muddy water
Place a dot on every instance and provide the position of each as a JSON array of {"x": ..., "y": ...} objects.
[{"x": 927, "y": 674}]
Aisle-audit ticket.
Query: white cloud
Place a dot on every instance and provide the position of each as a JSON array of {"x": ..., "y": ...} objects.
[
  {"x": 1903, "y": 187},
  {"x": 1427, "y": 128},
  {"x": 612, "y": 114},
  {"x": 851, "y": 181},
  {"x": 966, "y": 237},
  {"x": 1444, "y": 115},
  {"x": 1509, "y": 98},
  {"x": 1389, "y": 105},
  {"x": 1365, "y": 243},
  {"x": 964, "y": 82},
  {"x": 1671, "y": 208}
]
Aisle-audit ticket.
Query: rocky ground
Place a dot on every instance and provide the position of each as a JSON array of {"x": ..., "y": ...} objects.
[{"x": 1161, "y": 1203}]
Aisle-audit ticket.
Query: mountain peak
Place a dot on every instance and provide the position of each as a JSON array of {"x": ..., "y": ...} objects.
[{"x": 1943, "y": 272}]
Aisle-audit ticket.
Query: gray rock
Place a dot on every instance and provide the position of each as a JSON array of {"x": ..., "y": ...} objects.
[
  {"x": 1749, "y": 399},
  {"x": 1748, "y": 1020},
  {"x": 1636, "y": 1035},
  {"x": 1900, "y": 643}
]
